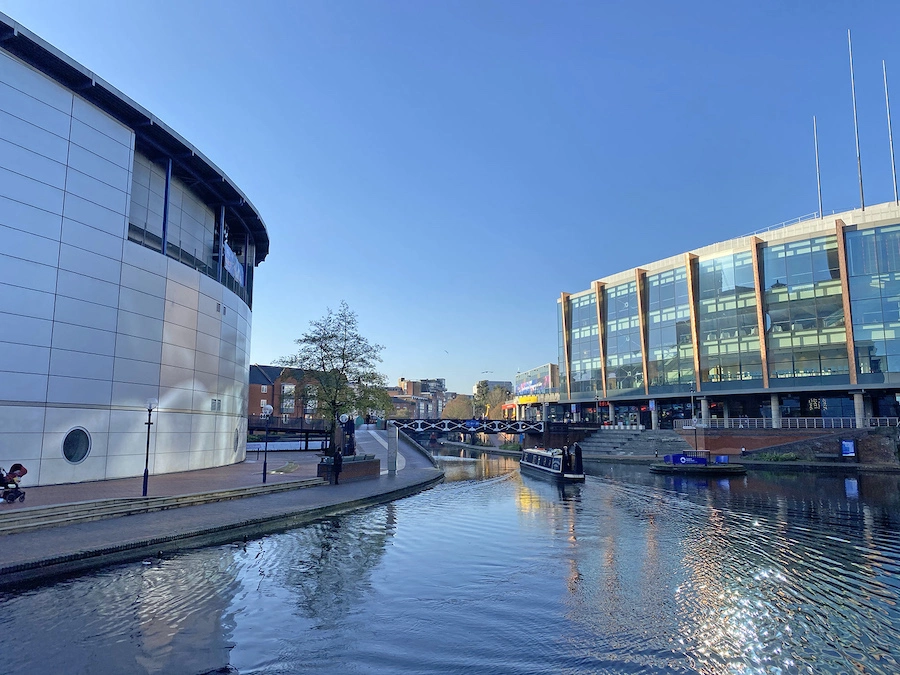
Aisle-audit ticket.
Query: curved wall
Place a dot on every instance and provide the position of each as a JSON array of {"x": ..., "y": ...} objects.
[{"x": 92, "y": 325}]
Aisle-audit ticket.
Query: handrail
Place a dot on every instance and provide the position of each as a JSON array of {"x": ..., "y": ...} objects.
[{"x": 797, "y": 423}]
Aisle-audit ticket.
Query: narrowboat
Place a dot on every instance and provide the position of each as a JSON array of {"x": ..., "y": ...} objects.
[{"x": 559, "y": 465}]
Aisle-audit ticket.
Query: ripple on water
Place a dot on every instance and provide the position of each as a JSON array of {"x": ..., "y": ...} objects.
[{"x": 503, "y": 574}]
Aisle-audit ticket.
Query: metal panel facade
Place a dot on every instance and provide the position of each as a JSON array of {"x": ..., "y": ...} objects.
[{"x": 91, "y": 324}]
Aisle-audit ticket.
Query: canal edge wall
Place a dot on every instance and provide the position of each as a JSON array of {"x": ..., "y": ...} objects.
[{"x": 84, "y": 560}]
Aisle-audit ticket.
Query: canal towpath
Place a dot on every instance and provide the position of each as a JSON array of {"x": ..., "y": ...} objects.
[{"x": 293, "y": 497}]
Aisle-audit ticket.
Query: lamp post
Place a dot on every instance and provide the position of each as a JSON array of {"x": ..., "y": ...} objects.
[
  {"x": 267, "y": 413},
  {"x": 151, "y": 404}
]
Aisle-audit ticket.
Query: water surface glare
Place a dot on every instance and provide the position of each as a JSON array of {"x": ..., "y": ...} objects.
[{"x": 493, "y": 572}]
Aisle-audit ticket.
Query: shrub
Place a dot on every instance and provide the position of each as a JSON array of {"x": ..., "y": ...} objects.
[{"x": 776, "y": 456}]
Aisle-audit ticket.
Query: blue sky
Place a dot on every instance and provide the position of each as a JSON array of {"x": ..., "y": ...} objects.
[{"x": 448, "y": 168}]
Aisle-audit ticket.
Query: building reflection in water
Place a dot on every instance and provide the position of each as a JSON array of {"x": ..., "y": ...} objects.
[
  {"x": 773, "y": 565},
  {"x": 158, "y": 617},
  {"x": 318, "y": 573},
  {"x": 628, "y": 572}
]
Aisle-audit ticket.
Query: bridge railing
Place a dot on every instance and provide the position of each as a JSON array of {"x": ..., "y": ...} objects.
[{"x": 470, "y": 426}]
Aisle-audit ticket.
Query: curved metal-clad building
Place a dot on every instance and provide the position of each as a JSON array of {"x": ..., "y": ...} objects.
[
  {"x": 126, "y": 276},
  {"x": 801, "y": 320}
]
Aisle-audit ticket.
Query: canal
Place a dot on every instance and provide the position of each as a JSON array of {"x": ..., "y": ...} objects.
[{"x": 493, "y": 572}]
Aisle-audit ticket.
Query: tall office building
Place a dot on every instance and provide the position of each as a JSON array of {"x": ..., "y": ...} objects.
[{"x": 796, "y": 321}]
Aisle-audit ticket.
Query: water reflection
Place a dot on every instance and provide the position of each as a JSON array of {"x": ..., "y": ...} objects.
[
  {"x": 626, "y": 573},
  {"x": 460, "y": 464},
  {"x": 161, "y": 616}
]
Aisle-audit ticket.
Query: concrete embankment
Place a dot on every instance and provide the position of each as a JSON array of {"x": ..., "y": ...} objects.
[{"x": 74, "y": 545}]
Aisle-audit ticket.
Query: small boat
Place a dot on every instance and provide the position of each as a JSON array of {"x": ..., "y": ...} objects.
[
  {"x": 553, "y": 463},
  {"x": 689, "y": 465}
]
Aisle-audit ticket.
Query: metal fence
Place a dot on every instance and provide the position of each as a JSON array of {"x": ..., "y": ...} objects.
[
  {"x": 811, "y": 423},
  {"x": 280, "y": 423}
]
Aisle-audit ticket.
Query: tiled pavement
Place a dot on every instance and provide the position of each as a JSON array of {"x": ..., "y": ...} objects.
[{"x": 46, "y": 553}]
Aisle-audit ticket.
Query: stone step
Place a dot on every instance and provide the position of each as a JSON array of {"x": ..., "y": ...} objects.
[
  {"x": 33, "y": 518},
  {"x": 631, "y": 442}
]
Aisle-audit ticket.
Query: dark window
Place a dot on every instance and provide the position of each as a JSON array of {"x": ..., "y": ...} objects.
[{"x": 76, "y": 445}]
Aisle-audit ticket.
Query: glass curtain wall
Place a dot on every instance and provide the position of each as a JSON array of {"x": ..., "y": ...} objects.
[
  {"x": 729, "y": 336},
  {"x": 624, "y": 363},
  {"x": 584, "y": 347},
  {"x": 805, "y": 334},
  {"x": 670, "y": 361},
  {"x": 148, "y": 198},
  {"x": 873, "y": 265},
  {"x": 191, "y": 230}
]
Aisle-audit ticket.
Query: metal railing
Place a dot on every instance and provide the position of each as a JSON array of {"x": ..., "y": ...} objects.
[
  {"x": 800, "y": 423},
  {"x": 278, "y": 423}
]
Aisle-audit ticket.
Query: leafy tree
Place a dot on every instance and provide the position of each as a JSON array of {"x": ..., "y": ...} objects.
[
  {"x": 459, "y": 408},
  {"x": 489, "y": 402},
  {"x": 481, "y": 394},
  {"x": 340, "y": 364},
  {"x": 400, "y": 412}
]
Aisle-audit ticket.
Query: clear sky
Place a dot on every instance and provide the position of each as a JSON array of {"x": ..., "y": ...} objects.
[{"x": 448, "y": 168}]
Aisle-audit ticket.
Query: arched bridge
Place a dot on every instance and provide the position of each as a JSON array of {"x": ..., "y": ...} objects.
[{"x": 471, "y": 426}]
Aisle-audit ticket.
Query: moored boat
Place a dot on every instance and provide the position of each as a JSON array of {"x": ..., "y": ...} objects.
[
  {"x": 553, "y": 463},
  {"x": 697, "y": 465}
]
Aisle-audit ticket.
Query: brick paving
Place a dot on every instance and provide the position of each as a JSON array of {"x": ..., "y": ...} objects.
[{"x": 50, "y": 552}]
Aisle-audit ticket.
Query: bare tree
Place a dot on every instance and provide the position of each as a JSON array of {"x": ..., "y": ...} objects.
[{"x": 340, "y": 363}]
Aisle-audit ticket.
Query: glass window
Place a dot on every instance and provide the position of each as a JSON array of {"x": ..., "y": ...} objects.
[
  {"x": 191, "y": 228},
  {"x": 727, "y": 319},
  {"x": 76, "y": 445},
  {"x": 804, "y": 308}
]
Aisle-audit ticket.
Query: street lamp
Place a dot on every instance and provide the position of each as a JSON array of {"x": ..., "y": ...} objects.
[
  {"x": 151, "y": 404},
  {"x": 267, "y": 413}
]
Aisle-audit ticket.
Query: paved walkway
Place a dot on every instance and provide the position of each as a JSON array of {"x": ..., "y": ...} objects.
[{"x": 72, "y": 548}]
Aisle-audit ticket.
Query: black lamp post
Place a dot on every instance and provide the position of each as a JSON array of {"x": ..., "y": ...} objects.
[
  {"x": 267, "y": 413},
  {"x": 151, "y": 404}
]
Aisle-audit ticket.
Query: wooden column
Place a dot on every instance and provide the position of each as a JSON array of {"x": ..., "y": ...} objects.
[
  {"x": 564, "y": 303},
  {"x": 755, "y": 244},
  {"x": 689, "y": 261},
  {"x": 840, "y": 227},
  {"x": 598, "y": 288},
  {"x": 639, "y": 278}
]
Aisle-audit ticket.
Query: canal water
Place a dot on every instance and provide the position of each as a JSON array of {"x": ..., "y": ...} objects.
[{"x": 493, "y": 572}]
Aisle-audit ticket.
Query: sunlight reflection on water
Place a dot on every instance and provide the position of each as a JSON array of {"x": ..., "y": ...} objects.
[{"x": 496, "y": 573}]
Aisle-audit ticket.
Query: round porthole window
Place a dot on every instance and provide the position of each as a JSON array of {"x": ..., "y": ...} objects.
[{"x": 77, "y": 445}]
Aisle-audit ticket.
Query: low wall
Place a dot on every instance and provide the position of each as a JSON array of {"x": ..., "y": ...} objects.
[
  {"x": 352, "y": 469},
  {"x": 731, "y": 441},
  {"x": 873, "y": 446}
]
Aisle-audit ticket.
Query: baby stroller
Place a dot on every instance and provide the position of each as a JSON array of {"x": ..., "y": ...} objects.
[{"x": 10, "y": 483}]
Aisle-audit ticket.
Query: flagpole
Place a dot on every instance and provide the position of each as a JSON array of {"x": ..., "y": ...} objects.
[
  {"x": 887, "y": 104},
  {"x": 818, "y": 175},
  {"x": 862, "y": 201}
]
